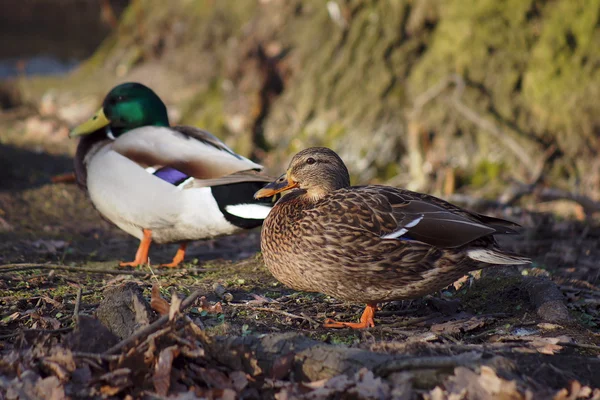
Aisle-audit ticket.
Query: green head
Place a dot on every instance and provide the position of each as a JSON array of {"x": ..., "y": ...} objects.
[{"x": 126, "y": 107}]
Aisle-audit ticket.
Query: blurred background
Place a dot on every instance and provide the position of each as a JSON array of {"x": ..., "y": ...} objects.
[{"x": 486, "y": 101}]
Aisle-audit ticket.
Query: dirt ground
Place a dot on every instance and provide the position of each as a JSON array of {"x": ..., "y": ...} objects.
[{"x": 487, "y": 335}]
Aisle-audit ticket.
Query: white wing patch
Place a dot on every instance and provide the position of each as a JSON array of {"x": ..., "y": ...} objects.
[
  {"x": 492, "y": 256},
  {"x": 403, "y": 230},
  {"x": 182, "y": 184},
  {"x": 249, "y": 211}
]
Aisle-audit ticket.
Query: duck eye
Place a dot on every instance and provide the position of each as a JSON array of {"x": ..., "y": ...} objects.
[{"x": 310, "y": 161}]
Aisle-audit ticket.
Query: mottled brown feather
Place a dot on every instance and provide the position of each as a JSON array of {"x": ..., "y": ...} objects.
[{"x": 334, "y": 242}]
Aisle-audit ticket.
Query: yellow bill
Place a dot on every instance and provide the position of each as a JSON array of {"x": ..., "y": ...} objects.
[{"x": 98, "y": 121}]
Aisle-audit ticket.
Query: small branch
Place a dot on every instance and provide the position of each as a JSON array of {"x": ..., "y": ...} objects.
[
  {"x": 589, "y": 206},
  {"x": 580, "y": 345},
  {"x": 77, "y": 306},
  {"x": 484, "y": 124},
  {"x": 50, "y": 331},
  {"x": 25, "y": 267},
  {"x": 156, "y": 325},
  {"x": 427, "y": 363},
  {"x": 96, "y": 356},
  {"x": 275, "y": 311}
]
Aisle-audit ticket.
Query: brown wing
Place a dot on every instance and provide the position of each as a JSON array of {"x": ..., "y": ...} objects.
[
  {"x": 402, "y": 214},
  {"x": 192, "y": 151},
  {"x": 238, "y": 177}
]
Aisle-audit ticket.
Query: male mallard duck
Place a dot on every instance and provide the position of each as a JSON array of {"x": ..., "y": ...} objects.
[
  {"x": 161, "y": 183},
  {"x": 370, "y": 243}
]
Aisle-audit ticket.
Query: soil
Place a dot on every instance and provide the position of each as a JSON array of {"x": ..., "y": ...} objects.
[{"x": 44, "y": 224}]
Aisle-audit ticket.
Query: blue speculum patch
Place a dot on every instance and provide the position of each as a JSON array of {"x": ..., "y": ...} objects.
[{"x": 171, "y": 175}]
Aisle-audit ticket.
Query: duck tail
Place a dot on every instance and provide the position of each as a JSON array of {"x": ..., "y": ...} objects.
[{"x": 494, "y": 256}]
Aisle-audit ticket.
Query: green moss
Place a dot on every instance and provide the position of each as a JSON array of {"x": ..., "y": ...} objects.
[
  {"x": 562, "y": 74},
  {"x": 206, "y": 109},
  {"x": 485, "y": 172}
]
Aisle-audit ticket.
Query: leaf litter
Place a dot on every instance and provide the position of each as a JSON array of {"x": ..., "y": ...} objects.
[{"x": 202, "y": 351}]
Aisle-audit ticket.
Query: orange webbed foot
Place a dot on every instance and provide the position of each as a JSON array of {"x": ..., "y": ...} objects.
[
  {"x": 179, "y": 256},
  {"x": 366, "y": 320},
  {"x": 141, "y": 256}
]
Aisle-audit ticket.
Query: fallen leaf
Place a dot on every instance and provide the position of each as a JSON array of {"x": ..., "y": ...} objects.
[
  {"x": 206, "y": 306},
  {"x": 369, "y": 386},
  {"x": 63, "y": 357},
  {"x": 577, "y": 391},
  {"x": 157, "y": 303},
  {"x": 108, "y": 390},
  {"x": 258, "y": 299},
  {"x": 175, "y": 306},
  {"x": 212, "y": 377},
  {"x": 162, "y": 372},
  {"x": 485, "y": 385},
  {"x": 239, "y": 379},
  {"x": 50, "y": 388},
  {"x": 457, "y": 327},
  {"x": 57, "y": 370}
]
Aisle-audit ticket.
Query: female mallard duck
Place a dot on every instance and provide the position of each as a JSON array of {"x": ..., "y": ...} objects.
[
  {"x": 370, "y": 243},
  {"x": 161, "y": 183}
]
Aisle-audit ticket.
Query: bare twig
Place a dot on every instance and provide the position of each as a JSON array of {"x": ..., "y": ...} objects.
[
  {"x": 96, "y": 356},
  {"x": 275, "y": 311},
  {"x": 50, "y": 331},
  {"x": 428, "y": 362},
  {"x": 156, "y": 325},
  {"x": 25, "y": 267},
  {"x": 490, "y": 127},
  {"x": 77, "y": 306},
  {"x": 589, "y": 206},
  {"x": 580, "y": 345}
]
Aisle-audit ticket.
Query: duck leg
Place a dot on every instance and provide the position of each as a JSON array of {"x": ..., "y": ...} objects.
[
  {"x": 141, "y": 256},
  {"x": 179, "y": 256},
  {"x": 366, "y": 320}
]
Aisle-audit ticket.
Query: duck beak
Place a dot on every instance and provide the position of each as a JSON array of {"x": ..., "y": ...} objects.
[
  {"x": 281, "y": 184},
  {"x": 98, "y": 121}
]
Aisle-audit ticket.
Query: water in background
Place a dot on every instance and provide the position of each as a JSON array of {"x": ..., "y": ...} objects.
[{"x": 42, "y": 37}]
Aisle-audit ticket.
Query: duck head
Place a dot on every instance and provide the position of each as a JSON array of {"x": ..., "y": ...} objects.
[
  {"x": 126, "y": 107},
  {"x": 316, "y": 170}
]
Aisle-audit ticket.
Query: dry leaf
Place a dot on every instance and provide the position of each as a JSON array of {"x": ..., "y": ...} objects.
[
  {"x": 369, "y": 386},
  {"x": 258, "y": 299},
  {"x": 57, "y": 370},
  {"x": 577, "y": 391},
  {"x": 63, "y": 357},
  {"x": 162, "y": 372},
  {"x": 206, "y": 306},
  {"x": 435, "y": 394},
  {"x": 50, "y": 388},
  {"x": 212, "y": 377},
  {"x": 175, "y": 306},
  {"x": 239, "y": 380},
  {"x": 157, "y": 303},
  {"x": 484, "y": 386},
  {"x": 108, "y": 390},
  {"x": 457, "y": 327}
]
